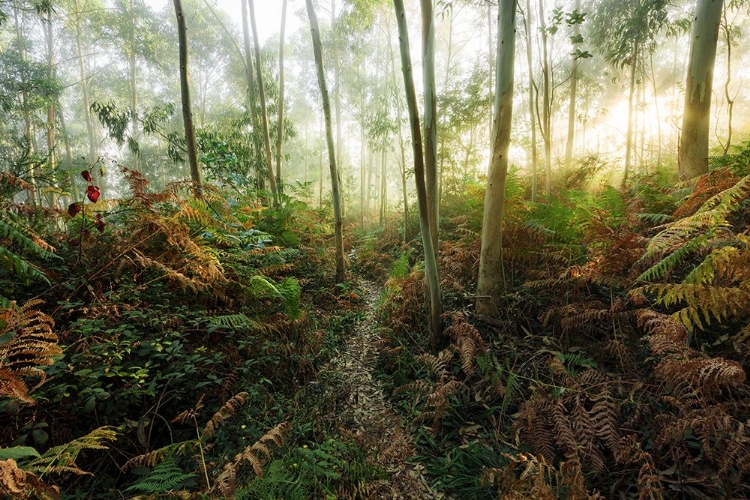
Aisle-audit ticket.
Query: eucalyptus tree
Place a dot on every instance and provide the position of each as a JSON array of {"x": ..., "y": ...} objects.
[
  {"x": 437, "y": 337},
  {"x": 693, "y": 151},
  {"x": 623, "y": 31},
  {"x": 280, "y": 127},
  {"x": 490, "y": 281},
  {"x": 574, "y": 19},
  {"x": 187, "y": 113},
  {"x": 83, "y": 18},
  {"x": 546, "y": 118},
  {"x": 335, "y": 176},
  {"x": 532, "y": 100},
  {"x": 263, "y": 108},
  {"x": 430, "y": 118},
  {"x": 132, "y": 30}
]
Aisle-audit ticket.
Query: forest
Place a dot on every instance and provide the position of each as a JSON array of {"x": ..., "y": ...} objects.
[{"x": 374, "y": 249}]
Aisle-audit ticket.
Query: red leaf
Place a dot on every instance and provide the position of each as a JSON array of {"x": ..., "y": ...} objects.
[
  {"x": 99, "y": 225},
  {"x": 92, "y": 193},
  {"x": 75, "y": 242},
  {"x": 87, "y": 176},
  {"x": 73, "y": 209},
  {"x": 98, "y": 216}
]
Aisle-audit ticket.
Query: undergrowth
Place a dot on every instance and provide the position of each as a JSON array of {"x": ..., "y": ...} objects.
[{"x": 617, "y": 368}]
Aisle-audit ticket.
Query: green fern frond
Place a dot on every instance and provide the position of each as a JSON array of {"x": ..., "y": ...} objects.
[
  {"x": 654, "y": 218},
  {"x": 718, "y": 262},
  {"x": 704, "y": 303},
  {"x": 672, "y": 260},
  {"x": 62, "y": 458},
  {"x": 237, "y": 322},
  {"x": 165, "y": 477},
  {"x": 728, "y": 200},
  {"x": 18, "y": 240}
]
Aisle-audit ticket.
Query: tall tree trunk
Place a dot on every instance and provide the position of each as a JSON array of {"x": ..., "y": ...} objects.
[
  {"x": 547, "y": 104},
  {"x": 490, "y": 282},
  {"x": 33, "y": 197},
  {"x": 250, "y": 77},
  {"x": 402, "y": 148},
  {"x": 573, "y": 95},
  {"x": 364, "y": 193},
  {"x": 280, "y": 133},
  {"x": 730, "y": 101},
  {"x": 446, "y": 81},
  {"x": 532, "y": 100},
  {"x": 629, "y": 133},
  {"x": 133, "y": 70},
  {"x": 263, "y": 111},
  {"x": 335, "y": 179},
  {"x": 92, "y": 153},
  {"x": 430, "y": 118},
  {"x": 187, "y": 113},
  {"x": 656, "y": 107},
  {"x": 51, "y": 121},
  {"x": 437, "y": 338},
  {"x": 383, "y": 184},
  {"x": 693, "y": 153}
]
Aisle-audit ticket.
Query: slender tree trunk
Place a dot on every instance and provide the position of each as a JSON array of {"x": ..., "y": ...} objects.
[
  {"x": 547, "y": 105},
  {"x": 320, "y": 163},
  {"x": 629, "y": 133},
  {"x": 33, "y": 196},
  {"x": 402, "y": 148},
  {"x": 437, "y": 338},
  {"x": 263, "y": 112},
  {"x": 133, "y": 70},
  {"x": 490, "y": 282},
  {"x": 250, "y": 76},
  {"x": 280, "y": 133},
  {"x": 532, "y": 100},
  {"x": 430, "y": 117},
  {"x": 573, "y": 95},
  {"x": 657, "y": 108},
  {"x": 364, "y": 197},
  {"x": 383, "y": 184},
  {"x": 92, "y": 153},
  {"x": 335, "y": 179},
  {"x": 51, "y": 112},
  {"x": 446, "y": 81},
  {"x": 693, "y": 153},
  {"x": 187, "y": 113},
  {"x": 730, "y": 101}
]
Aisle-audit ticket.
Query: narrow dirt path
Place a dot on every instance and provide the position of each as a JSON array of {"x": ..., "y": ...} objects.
[{"x": 366, "y": 414}]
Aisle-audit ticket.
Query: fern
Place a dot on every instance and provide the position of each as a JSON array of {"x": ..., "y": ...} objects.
[
  {"x": 256, "y": 454},
  {"x": 18, "y": 242},
  {"x": 26, "y": 342},
  {"x": 165, "y": 477},
  {"x": 62, "y": 458},
  {"x": 688, "y": 235}
]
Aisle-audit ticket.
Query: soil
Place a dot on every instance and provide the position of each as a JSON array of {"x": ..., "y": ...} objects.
[{"x": 363, "y": 412}]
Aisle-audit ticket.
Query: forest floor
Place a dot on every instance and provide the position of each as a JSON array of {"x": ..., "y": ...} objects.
[{"x": 362, "y": 411}]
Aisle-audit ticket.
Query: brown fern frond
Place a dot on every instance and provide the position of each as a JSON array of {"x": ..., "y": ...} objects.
[
  {"x": 649, "y": 484},
  {"x": 469, "y": 341},
  {"x": 228, "y": 410},
  {"x": 702, "y": 376},
  {"x": 226, "y": 482},
  {"x": 438, "y": 365},
  {"x": 32, "y": 343},
  {"x": 533, "y": 427},
  {"x": 658, "y": 324},
  {"x": 22, "y": 485},
  {"x": 565, "y": 436}
]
